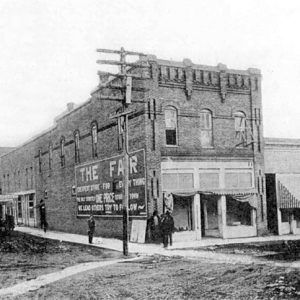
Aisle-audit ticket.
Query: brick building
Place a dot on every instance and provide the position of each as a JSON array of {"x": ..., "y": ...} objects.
[
  {"x": 196, "y": 144},
  {"x": 282, "y": 167}
]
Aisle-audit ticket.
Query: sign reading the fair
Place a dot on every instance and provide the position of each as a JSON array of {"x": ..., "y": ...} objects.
[{"x": 99, "y": 186}]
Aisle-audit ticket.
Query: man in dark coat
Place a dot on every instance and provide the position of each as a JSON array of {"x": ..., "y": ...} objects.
[
  {"x": 42, "y": 207},
  {"x": 167, "y": 228},
  {"x": 92, "y": 225},
  {"x": 155, "y": 227}
]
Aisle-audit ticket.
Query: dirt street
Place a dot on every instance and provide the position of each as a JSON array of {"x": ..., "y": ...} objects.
[
  {"x": 176, "y": 278},
  {"x": 24, "y": 257}
]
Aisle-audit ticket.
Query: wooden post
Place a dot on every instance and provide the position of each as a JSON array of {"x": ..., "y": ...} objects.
[
  {"x": 126, "y": 189},
  {"x": 126, "y": 100}
]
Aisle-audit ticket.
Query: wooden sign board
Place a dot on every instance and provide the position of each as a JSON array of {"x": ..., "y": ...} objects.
[{"x": 138, "y": 231}]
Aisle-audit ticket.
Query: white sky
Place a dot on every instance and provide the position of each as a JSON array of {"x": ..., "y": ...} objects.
[{"x": 48, "y": 57}]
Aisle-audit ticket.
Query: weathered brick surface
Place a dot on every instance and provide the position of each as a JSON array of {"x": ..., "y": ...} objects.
[{"x": 189, "y": 91}]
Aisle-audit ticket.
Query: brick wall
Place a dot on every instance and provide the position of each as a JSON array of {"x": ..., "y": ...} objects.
[{"x": 190, "y": 88}]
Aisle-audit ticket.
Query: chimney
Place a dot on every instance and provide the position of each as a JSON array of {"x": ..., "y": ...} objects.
[{"x": 70, "y": 106}]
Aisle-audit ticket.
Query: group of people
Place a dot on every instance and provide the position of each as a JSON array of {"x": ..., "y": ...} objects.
[{"x": 162, "y": 228}]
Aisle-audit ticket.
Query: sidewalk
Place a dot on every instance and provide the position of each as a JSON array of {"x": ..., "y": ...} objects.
[{"x": 150, "y": 249}]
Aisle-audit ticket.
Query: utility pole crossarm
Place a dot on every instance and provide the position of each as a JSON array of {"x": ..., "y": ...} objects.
[
  {"x": 125, "y": 113},
  {"x": 136, "y": 89},
  {"x": 121, "y": 99},
  {"x": 121, "y": 52},
  {"x": 119, "y": 63},
  {"x": 121, "y": 75}
]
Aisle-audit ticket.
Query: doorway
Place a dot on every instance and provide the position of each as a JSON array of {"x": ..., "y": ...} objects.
[
  {"x": 209, "y": 216},
  {"x": 182, "y": 213},
  {"x": 26, "y": 213}
]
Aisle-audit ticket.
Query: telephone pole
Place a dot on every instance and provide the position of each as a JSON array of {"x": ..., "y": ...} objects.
[{"x": 126, "y": 99}]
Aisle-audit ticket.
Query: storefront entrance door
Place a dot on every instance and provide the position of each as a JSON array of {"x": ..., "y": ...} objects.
[{"x": 182, "y": 213}]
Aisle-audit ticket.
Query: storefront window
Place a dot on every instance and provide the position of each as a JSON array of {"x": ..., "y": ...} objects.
[
  {"x": 238, "y": 213},
  {"x": 284, "y": 216},
  {"x": 19, "y": 207},
  {"x": 31, "y": 205},
  {"x": 297, "y": 217}
]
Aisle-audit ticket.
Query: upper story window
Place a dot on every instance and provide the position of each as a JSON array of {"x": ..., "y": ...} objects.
[
  {"x": 26, "y": 178},
  {"x": 76, "y": 139},
  {"x": 62, "y": 152},
  {"x": 94, "y": 130},
  {"x": 8, "y": 183},
  {"x": 171, "y": 126},
  {"x": 50, "y": 156},
  {"x": 4, "y": 183},
  {"x": 40, "y": 160},
  {"x": 31, "y": 177},
  {"x": 19, "y": 179},
  {"x": 240, "y": 128},
  {"x": 206, "y": 137}
]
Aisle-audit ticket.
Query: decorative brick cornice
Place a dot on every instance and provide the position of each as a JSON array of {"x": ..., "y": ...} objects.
[{"x": 188, "y": 76}]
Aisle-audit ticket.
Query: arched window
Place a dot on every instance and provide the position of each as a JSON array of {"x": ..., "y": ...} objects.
[
  {"x": 94, "y": 133},
  {"x": 240, "y": 121},
  {"x": 8, "y": 183},
  {"x": 26, "y": 178},
  {"x": 62, "y": 152},
  {"x": 4, "y": 183},
  {"x": 76, "y": 140},
  {"x": 50, "y": 156},
  {"x": 31, "y": 178},
  {"x": 40, "y": 160},
  {"x": 19, "y": 179},
  {"x": 240, "y": 128},
  {"x": 206, "y": 137},
  {"x": 171, "y": 125}
]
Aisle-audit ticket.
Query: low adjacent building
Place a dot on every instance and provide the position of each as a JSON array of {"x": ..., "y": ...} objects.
[{"x": 282, "y": 167}]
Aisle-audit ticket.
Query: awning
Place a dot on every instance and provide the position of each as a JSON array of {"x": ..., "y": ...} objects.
[
  {"x": 242, "y": 195},
  {"x": 288, "y": 191},
  {"x": 230, "y": 192}
]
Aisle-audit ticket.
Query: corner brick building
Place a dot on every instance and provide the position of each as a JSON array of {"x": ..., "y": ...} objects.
[{"x": 196, "y": 148}]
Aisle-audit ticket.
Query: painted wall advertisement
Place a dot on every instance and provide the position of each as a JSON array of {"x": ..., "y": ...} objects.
[{"x": 99, "y": 186}]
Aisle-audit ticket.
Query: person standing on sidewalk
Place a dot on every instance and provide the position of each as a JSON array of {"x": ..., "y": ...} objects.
[
  {"x": 91, "y": 225},
  {"x": 43, "y": 221},
  {"x": 167, "y": 228},
  {"x": 155, "y": 227}
]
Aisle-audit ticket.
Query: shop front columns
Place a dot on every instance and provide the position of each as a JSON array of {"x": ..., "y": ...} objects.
[
  {"x": 222, "y": 216},
  {"x": 197, "y": 216}
]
